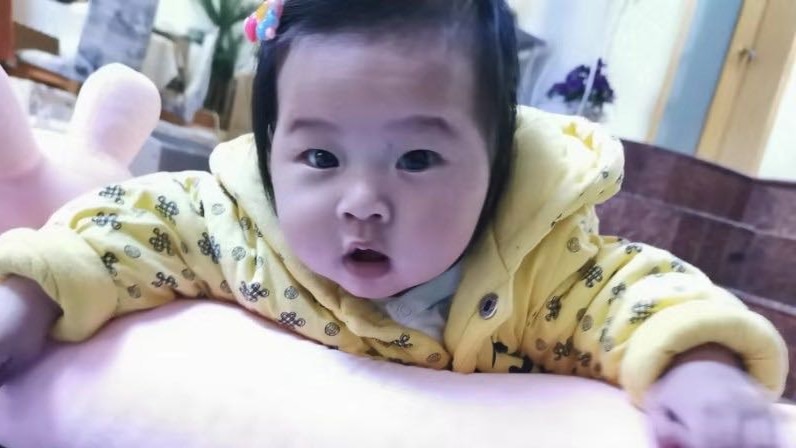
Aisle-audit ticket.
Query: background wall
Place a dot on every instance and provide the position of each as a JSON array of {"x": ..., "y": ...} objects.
[
  {"x": 700, "y": 68},
  {"x": 530, "y": 13},
  {"x": 178, "y": 16},
  {"x": 779, "y": 161},
  {"x": 638, "y": 59}
]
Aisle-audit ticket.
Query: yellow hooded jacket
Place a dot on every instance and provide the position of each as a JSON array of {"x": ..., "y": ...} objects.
[{"x": 541, "y": 291}]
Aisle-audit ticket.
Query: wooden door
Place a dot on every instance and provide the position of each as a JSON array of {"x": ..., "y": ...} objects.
[{"x": 755, "y": 72}]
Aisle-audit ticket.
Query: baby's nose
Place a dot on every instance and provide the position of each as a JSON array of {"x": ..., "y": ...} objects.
[{"x": 363, "y": 201}]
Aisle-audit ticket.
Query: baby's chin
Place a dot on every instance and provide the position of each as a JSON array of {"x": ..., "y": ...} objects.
[
  {"x": 373, "y": 292},
  {"x": 368, "y": 285}
]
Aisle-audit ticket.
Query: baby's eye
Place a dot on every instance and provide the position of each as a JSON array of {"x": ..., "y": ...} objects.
[
  {"x": 418, "y": 160},
  {"x": 320, "y": 159}
]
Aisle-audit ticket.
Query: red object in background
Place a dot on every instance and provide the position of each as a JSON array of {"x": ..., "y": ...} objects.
[{"x": 6, "y": 32}]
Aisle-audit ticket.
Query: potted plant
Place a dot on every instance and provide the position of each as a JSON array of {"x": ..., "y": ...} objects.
[
  {"x": 227, "y": 15},
  {"x": 574, "y": 87}
]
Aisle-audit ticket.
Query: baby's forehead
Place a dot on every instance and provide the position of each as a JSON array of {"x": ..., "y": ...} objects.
[
  {"x": 345, "y": 73},
  {"x": 423, "y": 47}
]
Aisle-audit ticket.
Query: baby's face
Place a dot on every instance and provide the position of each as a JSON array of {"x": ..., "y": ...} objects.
[{"x": 379, "y": 168}]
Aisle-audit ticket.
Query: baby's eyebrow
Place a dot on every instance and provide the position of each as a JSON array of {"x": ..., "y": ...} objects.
[
  {"x": 424, "y": 122},
  {"x": 311, "y": 123},
  {"x": 414, "y": 123}
]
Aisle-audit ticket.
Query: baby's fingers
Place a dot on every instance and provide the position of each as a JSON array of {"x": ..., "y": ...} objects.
[
  {"x": 11, "y": 366},
  {"x": 728, "y": 426},
  {"x": 712, "y": 427},
  {"x": 668, "y": 430},
  {"x": 758, "y": 429},
  {"x": 5, "y": 370}
]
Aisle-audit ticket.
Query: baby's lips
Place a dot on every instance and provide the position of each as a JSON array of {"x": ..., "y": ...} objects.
[{"x": 367, "y": 255}]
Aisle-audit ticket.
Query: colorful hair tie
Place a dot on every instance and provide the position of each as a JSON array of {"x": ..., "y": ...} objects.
[{"x": 263, "y": 23}]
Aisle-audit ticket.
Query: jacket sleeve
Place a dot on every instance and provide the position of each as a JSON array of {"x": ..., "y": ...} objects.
[
  {"x": 124, "y": 248},
  {"x": 632, "y": 308}
]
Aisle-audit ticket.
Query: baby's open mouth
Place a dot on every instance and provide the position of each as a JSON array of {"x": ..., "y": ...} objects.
[
  {"x": 367, "y": 263},
  {"x": 367, "y": 256}
]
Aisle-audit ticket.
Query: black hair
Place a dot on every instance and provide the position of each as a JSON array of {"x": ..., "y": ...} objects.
[{"x": 487, "y": 26}]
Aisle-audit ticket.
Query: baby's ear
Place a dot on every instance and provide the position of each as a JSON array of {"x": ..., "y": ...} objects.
[
  {"x": 19, "y": 152},
  {"x": 116, "y": 111}
]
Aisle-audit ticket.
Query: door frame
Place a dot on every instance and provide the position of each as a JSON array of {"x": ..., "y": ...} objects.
[{"x": 747, "y": 98}]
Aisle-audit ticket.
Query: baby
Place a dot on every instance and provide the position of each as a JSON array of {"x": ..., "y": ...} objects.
[{"x": 395, "y": 203}]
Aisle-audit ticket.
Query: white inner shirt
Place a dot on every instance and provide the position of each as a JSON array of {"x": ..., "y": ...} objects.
[{"x": 425, "y": 307}]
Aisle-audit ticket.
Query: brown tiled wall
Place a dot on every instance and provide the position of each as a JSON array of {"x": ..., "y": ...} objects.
[
  {"x": 740, "y": 231},
  {"x": 686, "y": 182},
  {"x": 772, "y": 208}
]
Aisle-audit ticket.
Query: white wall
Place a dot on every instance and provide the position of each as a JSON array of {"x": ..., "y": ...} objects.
[
  {"x": 646, "y": 35},
  {"x": 177, "y": 16},
  {"x": 779, "y": 159},
  {"x": 530, "y": 13}
]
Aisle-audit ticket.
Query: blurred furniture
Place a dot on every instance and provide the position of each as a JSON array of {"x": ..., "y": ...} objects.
[
  {"x": 43, "y": 60},
  {"x": 23, "y": 36},
  {"x": 42, "y": 75},
  {"x": 193, "y": 55},
  {"x": 240, "y": 117},
  {"x": 184, "y": 147},
  {"x": 26, "y": 37},
  {"x": 6, "y": 31},
  {"x": 113, "y": 31},
  {"x": 61, "y": 22},
  {"x": 160, "y": 63},
  {"x": 47, "y": 107},
  {"x": 13, "y": 36}
]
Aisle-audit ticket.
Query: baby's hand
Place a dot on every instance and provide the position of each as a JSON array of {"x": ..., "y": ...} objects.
[
  {"x": 26, "y": 315},
  {"x": 706, "y": 403}
]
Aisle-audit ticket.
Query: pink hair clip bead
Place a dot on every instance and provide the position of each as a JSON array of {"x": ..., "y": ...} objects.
[{"x": 250, "y": 28}]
